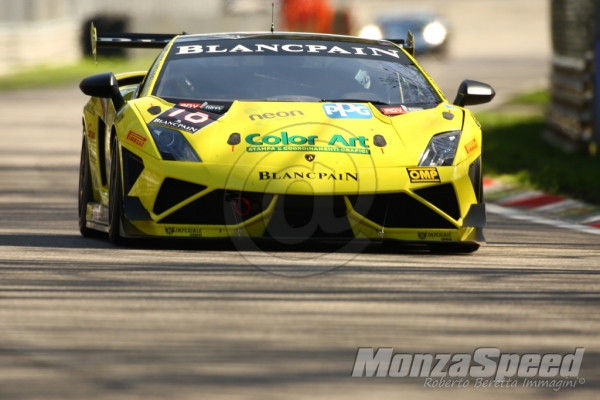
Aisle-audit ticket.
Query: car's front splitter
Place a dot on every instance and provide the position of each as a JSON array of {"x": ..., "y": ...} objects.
[{"x": 279, "y": 224}]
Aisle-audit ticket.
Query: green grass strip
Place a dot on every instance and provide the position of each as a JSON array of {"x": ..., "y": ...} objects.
[
  {"x": 56, "y": 76},
  {"x": 513, "y": 145}
]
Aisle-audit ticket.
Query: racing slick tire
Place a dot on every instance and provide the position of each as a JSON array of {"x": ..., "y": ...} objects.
[
  {"x": 86, "y": 193},
  {"x": 115, "y": 198}
]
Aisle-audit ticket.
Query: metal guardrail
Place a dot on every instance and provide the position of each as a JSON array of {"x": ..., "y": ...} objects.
[
  {"x": 571, "y": 117},
  {"x": 570, "y": 114},
  {"x": 38, "y": 43}
]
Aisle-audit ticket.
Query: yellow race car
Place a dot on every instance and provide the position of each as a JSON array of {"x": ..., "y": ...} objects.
[{"x": 280, "y": 136}]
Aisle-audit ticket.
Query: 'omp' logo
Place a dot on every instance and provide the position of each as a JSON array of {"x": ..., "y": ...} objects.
[
  {"x": 423, "y": 174},
  {"x": 346, "y": 110}
]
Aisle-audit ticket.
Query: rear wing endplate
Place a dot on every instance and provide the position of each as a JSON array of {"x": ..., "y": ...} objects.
[
  {"x": 408, "y": 44},
  {"x": 128, "y": 40}
]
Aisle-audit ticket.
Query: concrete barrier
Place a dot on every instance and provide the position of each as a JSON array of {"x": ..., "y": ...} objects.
[{"x": 28, "y": 44}]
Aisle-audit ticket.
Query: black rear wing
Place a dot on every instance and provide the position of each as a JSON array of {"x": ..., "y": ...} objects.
[
  {"x": 129, "y": 40},
  {"x": 160, "y": 40}
]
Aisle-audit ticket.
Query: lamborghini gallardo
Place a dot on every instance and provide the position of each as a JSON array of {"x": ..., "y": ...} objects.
[{"x": 280, "y": 136}]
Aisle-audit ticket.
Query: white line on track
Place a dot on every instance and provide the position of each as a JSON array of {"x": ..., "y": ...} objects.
[{"x": 520, "y": 215}]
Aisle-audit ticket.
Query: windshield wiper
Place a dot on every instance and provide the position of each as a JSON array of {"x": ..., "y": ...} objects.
[
  {"x": 296, "y": 98},
  {"x": 354, "y": 101}
]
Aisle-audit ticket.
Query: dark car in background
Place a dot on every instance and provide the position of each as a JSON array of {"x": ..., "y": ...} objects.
[{"x": 429, "y": 29}]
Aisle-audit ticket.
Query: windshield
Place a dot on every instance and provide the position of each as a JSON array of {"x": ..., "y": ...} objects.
[{"x": 275, "y": 70}]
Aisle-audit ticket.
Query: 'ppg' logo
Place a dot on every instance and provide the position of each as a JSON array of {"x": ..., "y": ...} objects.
[{"x": 346, "y": 110}]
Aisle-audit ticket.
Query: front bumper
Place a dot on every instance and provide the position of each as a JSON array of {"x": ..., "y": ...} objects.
[{"x": 183, "y": 200}]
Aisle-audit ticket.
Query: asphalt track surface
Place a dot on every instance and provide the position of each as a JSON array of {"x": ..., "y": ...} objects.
[{"x": 81, "y": 319}]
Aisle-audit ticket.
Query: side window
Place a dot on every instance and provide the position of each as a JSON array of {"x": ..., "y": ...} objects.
[{"x": 144, "y": 88}]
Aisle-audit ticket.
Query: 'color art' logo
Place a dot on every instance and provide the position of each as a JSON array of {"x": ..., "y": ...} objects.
[{"x": 285, "y": 142}]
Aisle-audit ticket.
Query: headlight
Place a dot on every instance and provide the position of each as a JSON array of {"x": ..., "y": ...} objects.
[
  {"x": 435, "y": 33},
  {"x": 441, "y": 150},
  {"x": 172, "y": 145}
]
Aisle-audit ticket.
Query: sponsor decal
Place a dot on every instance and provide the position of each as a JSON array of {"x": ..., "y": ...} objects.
[
  {"x": 283, "y": 142},
  {"x": 435, "y": 235},
  {"x": 212, "y": 107},
  {"x": 274, "y": 48},
  {"x": 203, "y": 106},
  {"x": 485, "y": 367},
  {"x": 471, "y": 146},
  {"x": 321, "y": 149},
  {"x": 347, "y": 111},
  {"x": 279, "y": 114},
  {"x": 427, "y": 174},
  {"x": 397, "y": 110},
  {"x": 178, "y": 118},
  {"x": 136, "y": 139},
  {"x": 195, "y": 106},
  {"x": 91, "y": 134},
  {"x": 344, "y": 176},
  {"x": 176, "y": 230},
  {"x": 309, "y": 157},
  {"x": 394, "y": 110}
]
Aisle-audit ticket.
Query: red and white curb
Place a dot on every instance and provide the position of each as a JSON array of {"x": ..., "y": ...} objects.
[{"x": 531, "y": 205}]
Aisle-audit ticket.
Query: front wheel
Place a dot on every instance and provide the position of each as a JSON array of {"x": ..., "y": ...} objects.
[
  {"x": 86, "y": 194},
  {"x": 115, "y": 196}
]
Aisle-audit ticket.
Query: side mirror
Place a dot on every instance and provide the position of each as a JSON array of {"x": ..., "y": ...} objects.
[
  {"x": 105, "y": 86},
  {"x": 471, "y": 93}
]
